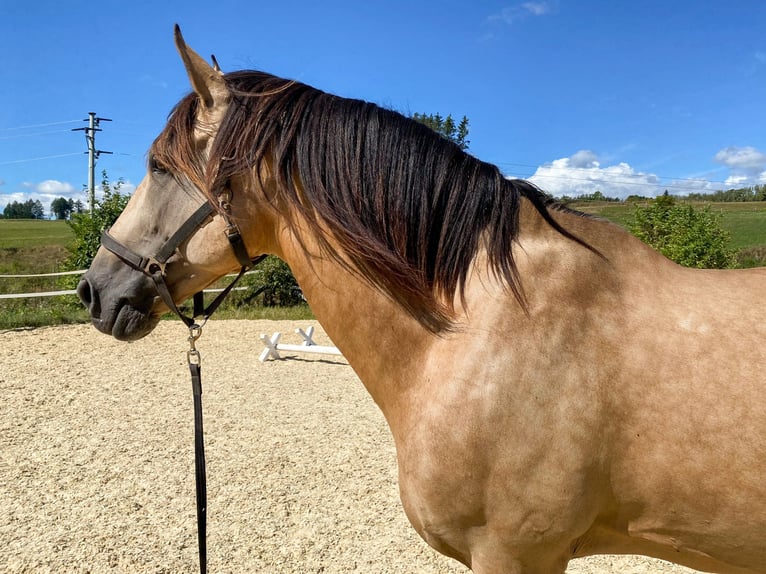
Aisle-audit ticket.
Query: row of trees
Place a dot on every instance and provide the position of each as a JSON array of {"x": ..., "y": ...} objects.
[
  {"x": 754, "y": 193},
  {"x": 28, "y": 210},
  {"x": 61, "y": 208}
]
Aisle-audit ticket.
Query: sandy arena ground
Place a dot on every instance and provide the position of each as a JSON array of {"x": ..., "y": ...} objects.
[{"x": 96, "y": 461}]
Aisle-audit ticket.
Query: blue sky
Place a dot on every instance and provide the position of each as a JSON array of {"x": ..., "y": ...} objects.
[{"x": 578, "y": 95}]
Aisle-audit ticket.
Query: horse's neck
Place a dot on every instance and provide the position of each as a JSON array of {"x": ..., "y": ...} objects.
[
  {"x": 389, "y": 349},
  {"x": 381, "y": 342}
]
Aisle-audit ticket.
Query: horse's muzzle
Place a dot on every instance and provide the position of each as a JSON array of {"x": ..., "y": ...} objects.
[{"x": 121, "y": 309}]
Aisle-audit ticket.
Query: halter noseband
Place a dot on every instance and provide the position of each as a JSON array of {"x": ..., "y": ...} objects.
[{"x": 155, "y": 266}]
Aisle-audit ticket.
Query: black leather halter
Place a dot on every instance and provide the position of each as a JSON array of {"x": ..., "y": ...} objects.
[{"x": 155, "y": 266}]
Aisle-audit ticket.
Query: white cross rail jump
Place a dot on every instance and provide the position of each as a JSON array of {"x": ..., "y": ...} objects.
[{"x": 273, "y": 346}]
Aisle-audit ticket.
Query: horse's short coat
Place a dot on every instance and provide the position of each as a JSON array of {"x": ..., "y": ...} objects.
[{"x": 554, "y": 387}]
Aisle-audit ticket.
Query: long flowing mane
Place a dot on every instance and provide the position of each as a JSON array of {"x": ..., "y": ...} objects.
[{"x": 386, "y": 196}]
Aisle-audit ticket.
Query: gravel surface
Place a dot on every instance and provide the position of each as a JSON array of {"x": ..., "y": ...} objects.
[{"x": 97, "y": 466}]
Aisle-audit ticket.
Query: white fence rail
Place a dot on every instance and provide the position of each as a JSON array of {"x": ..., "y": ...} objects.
[
  {"x": 74, "y": 292},
  {"x": 40, "y": 293},
  {"x": 61, "y": 274}
]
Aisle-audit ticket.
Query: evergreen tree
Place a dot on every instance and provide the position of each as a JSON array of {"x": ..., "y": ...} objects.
[
  {"x": 446, "y": 127},
  {"x": 30, "y": 209}
]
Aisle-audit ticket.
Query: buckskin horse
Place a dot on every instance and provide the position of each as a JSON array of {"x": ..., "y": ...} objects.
[{"x": 554, "y": 387}]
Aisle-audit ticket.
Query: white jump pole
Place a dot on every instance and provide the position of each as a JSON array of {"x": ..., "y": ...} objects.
[{"x": 273, "y": 346}]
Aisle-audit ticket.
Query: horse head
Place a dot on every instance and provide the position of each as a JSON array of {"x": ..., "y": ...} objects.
[{"x": 166, "y": 231}]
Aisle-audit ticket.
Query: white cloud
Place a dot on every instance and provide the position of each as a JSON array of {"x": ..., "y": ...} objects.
[
  {"x": 50, "y": 189},
  {"x": 746, "y": 163},
  {"x": 513, "y": 14},
  {"x": 536, "y": 8},
  {"x": 583, "y": 159},
  {"x": 46, "y": 191},
  {"x": 127, "y": 188},
  {"x": 736, "y": 181},
  {"x": 582, "y": 173},
  {"x": 56, "y": 188},
  {"x": 746, "y": 158}
]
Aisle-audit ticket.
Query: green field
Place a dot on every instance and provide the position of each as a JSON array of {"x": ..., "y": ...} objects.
[
  {"x": 745, "y": 221},
  {"x": 23, "y": 233}
]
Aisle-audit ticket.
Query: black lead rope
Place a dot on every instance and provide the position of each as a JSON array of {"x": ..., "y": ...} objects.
[
  {"x": 195, "y": 369},
  {"x": 154, "y": 267},
  {"x": 200, "y": 475}
]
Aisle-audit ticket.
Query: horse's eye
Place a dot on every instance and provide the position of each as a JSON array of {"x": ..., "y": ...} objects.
[{"x": 156, "y": 167}]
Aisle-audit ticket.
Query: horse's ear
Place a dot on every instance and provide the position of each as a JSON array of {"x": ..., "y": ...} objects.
[
  {"x": 206, "y": 81},
  {"x": 216, "y": 67}
]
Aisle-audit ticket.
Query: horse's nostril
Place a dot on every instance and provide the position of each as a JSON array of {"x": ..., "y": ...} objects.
[
  {"x": 88, "y": 295},
  {"x": 84, "y": 293}
]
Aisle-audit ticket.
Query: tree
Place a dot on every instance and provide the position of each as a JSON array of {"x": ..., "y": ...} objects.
[
  {"x": 62, "y": 208},
  {"x": 37, "y": 210},
  {"x": 88, "y": 226},
  {"x": 691, "y": 237},
  {"x": 446, "y": 127}
]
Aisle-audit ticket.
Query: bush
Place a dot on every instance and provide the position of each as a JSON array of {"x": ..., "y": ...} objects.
[
  {"x": 691, "y": 237},
  {"x": 87, "y": 227},
  {"x": 274, "y": 281}
]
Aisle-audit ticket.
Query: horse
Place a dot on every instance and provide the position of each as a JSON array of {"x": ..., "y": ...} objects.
[{"x": 555, "y": 388}]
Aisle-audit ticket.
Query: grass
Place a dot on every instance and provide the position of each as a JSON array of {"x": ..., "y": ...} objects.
[
  {"x": 33, "y": 247},
  {"x": 745, "y": 221},
  {"x": 24, "y": 233},
  {"x": 746, "y": 226}
]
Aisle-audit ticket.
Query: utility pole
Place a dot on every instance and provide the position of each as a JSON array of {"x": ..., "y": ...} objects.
[{"x": 93, "y": 153}]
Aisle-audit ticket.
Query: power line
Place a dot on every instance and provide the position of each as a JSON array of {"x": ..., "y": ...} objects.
[
  {"x": 43, "y": 125},
  {"x": 33, "y": 134},
  {"x": 38, "y": 158}
]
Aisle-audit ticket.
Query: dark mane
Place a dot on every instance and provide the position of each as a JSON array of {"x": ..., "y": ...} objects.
[{"x": 405, "y": 208}]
